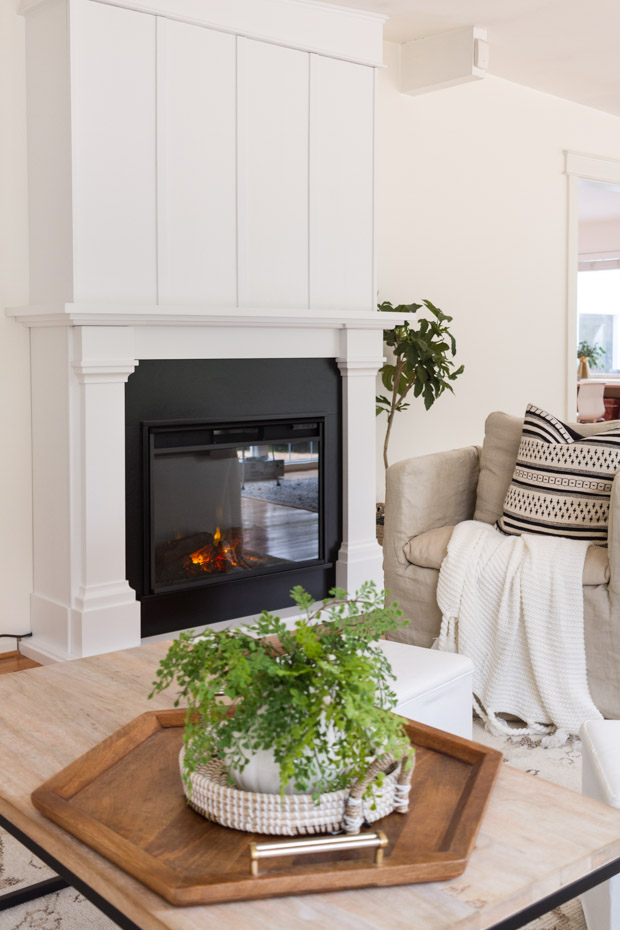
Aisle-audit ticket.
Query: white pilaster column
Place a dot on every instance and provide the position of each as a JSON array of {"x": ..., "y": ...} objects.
[
  {"x": 360, "y": 556},
  {"x": 105, "y": 614}
]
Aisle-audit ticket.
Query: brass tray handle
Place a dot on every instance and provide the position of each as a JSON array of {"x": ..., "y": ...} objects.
[{"x": 300, "y": 847}]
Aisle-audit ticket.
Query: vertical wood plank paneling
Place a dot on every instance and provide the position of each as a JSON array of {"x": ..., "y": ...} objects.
[
  {"x": 341, "y": 184},
  {"x": 272, "y": 175},
  {"x": 196, "y": 164},
  {"x": 113, "y": 120},
  {"x": 49, "y": 153}
]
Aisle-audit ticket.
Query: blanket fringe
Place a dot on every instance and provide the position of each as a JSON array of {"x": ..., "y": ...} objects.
[{"x": 499, "y": 727}]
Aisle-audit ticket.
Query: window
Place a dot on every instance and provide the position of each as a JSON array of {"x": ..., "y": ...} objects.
[{"x": 598, "y": 308}]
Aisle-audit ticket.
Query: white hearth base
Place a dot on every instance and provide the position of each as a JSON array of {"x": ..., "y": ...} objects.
[{"x": 82, "y": 356}]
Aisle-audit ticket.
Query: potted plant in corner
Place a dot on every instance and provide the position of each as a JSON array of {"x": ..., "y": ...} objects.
[
  {"x": 590, "y": 355},
  {"x": 422, "y": 363},
  {"x": 273, "y": 710}
]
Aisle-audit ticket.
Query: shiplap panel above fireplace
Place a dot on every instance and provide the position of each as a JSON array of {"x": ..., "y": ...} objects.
[
  {"x": 273, "y": 135},
  {"x": 196, "y": 164},
  {"x": 114, "y": 157},
  {"x": 205, "y": 166},
  {"x": 342, "y": 110}
]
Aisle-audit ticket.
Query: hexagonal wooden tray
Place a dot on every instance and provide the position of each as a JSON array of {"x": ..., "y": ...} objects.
[{"x": 124, "y": 799}]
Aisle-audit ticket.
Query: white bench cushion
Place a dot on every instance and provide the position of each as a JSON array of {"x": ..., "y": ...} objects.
[
  {"x": 432, "y": 687},
  {"x": 601, "y": 760}
]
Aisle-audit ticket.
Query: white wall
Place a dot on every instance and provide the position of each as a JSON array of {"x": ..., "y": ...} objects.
[
  {"x": 472, "y": 214},
  {"x": 15, "y": 471}
]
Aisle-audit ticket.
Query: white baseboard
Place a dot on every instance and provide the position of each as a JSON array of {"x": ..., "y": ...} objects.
[{"x": 33, "y": 650}]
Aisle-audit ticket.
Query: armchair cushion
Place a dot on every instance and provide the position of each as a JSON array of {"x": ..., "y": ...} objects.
[
  {"x": 428, "y": 550},
  {"x": 562, "y": 480},
  {"x": 502, "y": 435}
]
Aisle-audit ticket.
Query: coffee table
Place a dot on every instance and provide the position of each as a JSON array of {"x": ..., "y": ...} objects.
[{"x": 538, "y": 846}]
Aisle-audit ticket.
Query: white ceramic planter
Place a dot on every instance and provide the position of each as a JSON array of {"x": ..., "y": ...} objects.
[{"x": 262, "y": 773}]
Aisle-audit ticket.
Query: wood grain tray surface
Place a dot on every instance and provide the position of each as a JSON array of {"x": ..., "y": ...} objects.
[{"x": 124, "y": 799}]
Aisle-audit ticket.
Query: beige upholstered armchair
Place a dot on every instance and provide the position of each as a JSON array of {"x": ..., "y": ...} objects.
[{"x": 427, "y": 496}]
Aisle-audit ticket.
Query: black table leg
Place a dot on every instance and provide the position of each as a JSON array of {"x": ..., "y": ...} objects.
[
  {"x": 567, "y": 893},
  {"x": 31, "y": 892},
  {"x": 69, "y": 878}
]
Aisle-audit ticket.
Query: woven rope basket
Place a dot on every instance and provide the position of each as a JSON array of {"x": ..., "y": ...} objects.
[{"x": 215, "y": 799}]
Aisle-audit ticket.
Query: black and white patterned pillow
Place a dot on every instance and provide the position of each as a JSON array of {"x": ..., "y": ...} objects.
[{"x": 562, "y": 481}]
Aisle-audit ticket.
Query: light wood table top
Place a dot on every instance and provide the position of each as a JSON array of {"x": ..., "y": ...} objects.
[{"x": 536, "y": 837}]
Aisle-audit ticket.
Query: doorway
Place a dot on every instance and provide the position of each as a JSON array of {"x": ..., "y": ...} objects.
[{"x": 593, "y": 275}]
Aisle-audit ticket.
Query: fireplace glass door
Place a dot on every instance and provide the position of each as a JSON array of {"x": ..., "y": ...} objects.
[{"x": 232, "y": 499}]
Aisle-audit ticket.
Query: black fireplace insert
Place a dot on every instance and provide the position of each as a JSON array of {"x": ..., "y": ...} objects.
[
  {"x": 226, "y": 499},
  {"x": 228, "y": 510}
]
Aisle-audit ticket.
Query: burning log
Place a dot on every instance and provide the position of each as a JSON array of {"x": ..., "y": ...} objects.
[
  {"x": 200, "y": 554},
  {"x": 220, "y": 554}
]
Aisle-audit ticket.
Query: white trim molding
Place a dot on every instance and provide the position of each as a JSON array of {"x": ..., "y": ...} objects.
[
  {"x": 578, "y": 166},
  {"x": 129, "y": 315},
  {"x": 592, "y": 168}
]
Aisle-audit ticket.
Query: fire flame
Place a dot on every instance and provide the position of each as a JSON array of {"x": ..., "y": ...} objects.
[
  {"x": 223, "y": 553},
  {"x": 208, "y": 553}
]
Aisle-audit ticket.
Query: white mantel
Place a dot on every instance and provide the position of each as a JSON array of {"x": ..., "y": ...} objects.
[
  {"x": 201, "y": 185},
  {"x": 81, "y": 358}
]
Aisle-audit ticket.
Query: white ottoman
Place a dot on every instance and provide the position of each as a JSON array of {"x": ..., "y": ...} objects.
[
  {"x": 601, "y": 779},
  {"x": 432, "y": 687}
]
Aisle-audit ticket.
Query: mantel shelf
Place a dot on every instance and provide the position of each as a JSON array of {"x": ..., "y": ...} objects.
[{"x": 96, "y": 314}]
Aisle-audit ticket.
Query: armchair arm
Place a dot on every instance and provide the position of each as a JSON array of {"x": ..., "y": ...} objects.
[
  {"x": 431, "y": 490},
  {"x": 422, "y": 494}
]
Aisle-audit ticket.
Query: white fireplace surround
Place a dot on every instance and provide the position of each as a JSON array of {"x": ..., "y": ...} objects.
[
  {"x": 201, "y": 186},
  {"x": 81, "y": 358}
]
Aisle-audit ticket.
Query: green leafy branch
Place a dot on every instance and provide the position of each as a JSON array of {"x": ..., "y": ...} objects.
[
  {"x": 422, "y": 361},
  {"x": 315, "y": 692}
]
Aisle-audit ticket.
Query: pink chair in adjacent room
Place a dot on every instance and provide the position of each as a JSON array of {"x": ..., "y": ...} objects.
[{"x": 590, "y": 404}]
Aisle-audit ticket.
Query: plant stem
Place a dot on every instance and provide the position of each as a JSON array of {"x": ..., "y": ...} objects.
[{"x": 400, "y": 367}]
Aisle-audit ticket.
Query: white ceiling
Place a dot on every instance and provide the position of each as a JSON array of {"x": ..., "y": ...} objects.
[{"x": 568, "y": 48}]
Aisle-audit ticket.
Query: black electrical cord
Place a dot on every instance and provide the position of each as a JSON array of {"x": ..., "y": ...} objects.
[{"x": 17, "y": 636}]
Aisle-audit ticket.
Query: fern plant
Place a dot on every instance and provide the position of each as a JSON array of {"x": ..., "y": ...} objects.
[{"x": 316, "y": 693}]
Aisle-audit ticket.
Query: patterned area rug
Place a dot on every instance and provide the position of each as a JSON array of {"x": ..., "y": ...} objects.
[
  {"x": 68, "y": 910},
  {"x": 560, "y": 765},
  {"x": 291, "y": 492}
]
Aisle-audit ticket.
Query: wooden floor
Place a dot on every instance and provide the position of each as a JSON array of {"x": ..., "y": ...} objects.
[
  {"x": 279, "y": 531},
  {"x": 15, "y": 662}
]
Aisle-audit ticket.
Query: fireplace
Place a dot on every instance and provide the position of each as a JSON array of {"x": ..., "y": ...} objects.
[
  {"x": 102, "y": 376},
  {"x": 235, "y": 498},
  {"x": 155, "y": 241}
]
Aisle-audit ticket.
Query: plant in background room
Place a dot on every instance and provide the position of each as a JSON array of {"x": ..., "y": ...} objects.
[
  {"x": 422, "y": 361},
  {"x": 593, "y": 355},
  {"x": 316, "y": 697}
]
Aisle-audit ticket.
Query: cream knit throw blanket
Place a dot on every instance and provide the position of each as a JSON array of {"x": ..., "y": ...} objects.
[{"x": 514, "y": 605}]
